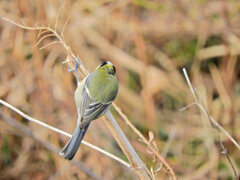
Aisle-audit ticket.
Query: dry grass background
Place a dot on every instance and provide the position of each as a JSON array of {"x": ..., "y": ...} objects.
[{"x": 149, "y": 42}]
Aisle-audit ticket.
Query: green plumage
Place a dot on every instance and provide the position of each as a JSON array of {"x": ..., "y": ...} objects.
[
  {"x": 102, "y": 86},
  {"x": 93, "y": 97}
]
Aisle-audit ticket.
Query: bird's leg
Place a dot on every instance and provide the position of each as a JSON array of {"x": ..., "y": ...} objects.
[{"x": 76, "y": 66}]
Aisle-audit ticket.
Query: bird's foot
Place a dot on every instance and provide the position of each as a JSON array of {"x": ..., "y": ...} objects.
[{"x": 76, "y": 66}]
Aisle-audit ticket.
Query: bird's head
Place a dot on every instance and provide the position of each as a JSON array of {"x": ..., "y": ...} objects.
[{"x": 107, "y": 67}]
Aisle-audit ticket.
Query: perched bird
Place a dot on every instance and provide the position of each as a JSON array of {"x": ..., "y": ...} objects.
[{"x": 93, "y": 97}]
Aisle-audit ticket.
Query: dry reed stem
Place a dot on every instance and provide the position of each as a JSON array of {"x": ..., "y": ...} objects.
[
  {"x": 201, "y": 105},
  {"x": 138, "y": 166}
]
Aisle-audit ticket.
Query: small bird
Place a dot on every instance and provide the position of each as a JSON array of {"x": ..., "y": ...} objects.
[{"x": 93, "y": 97}]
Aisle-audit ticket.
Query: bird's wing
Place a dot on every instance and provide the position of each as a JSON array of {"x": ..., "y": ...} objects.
[{"x": 91, "y": 109}]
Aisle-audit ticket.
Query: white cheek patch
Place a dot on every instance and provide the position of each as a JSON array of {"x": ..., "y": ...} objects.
[
  {"x": 108, "y": 62},
  {"x": 98, "y": 66}
]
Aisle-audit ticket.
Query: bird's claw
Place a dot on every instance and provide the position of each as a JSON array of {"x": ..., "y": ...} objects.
[{"x": 76, "y": 66}]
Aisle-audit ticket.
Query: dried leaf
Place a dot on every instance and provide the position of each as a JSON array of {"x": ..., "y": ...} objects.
[
  {"x": 149, "y": 152},
  {"x": 141, "y": 140},
  {"x": 158, "y": 169},
  {"x": 151, "y": 136}
]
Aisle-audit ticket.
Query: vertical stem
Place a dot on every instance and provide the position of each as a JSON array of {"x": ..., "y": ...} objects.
[{"x": 139, "y": 167}]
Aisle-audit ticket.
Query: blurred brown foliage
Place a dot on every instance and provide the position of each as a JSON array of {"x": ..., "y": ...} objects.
[{"x": 149, "y": 42}]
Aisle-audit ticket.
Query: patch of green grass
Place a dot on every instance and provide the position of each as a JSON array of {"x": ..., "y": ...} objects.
[
  {"x": 170, "y": 102},
  {"x": 162, "y": 134},
  {"x": 222, "y": 166},
  {"x": 211, "y": 41},
  {"x": 9, "y": 51},
  {"x": 28, "y": 56},
  {"x": 142, "y": 128},
  {"x": 215, "y": 16},
  {"x": 149, "y": 5},
  {"x": 183, "y": 52},
  {"x": 24, "y": 121},
  {"x": 5, "y": 152},
  {"x": 134, "y": 82},
  {"x": 195, "y": 147}
]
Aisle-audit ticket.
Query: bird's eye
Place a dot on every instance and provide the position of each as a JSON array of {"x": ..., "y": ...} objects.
[{"x": 114, "y": 69}]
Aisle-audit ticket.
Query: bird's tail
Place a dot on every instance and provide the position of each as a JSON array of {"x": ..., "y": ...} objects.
[{"x": 74, "y": 142}]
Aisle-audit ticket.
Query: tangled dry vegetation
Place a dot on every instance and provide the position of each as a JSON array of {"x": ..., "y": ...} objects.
[{"x": 149, "y": 42}]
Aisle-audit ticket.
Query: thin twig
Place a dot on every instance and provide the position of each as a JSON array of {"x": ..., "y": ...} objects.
[
  {"x": 49, "y": 44},
  {"x": 199, "y": 102},
  {"x": 42, "y": 38},
  {"x": 168, "y": 144},
  {"x": 56, "y": 23},
  {"x": 63, "y": 133},
  {"x": 42, "y": 32},
  {"x": 188, "y": 106},
  {"x": 64, "y": 26}
]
